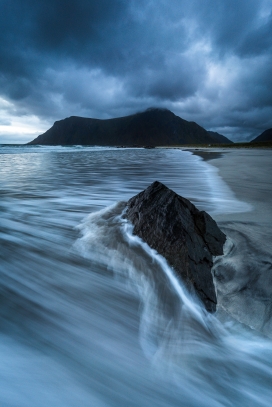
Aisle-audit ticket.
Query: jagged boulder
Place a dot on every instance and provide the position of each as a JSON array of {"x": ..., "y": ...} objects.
[{"x": 186, "y": 237}]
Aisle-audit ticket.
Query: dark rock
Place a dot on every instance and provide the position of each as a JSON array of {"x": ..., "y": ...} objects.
[{"x": 185, "y": 236}]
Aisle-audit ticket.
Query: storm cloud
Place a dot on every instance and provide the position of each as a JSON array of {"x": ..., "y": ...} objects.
[{"x": 207, "y": 61}]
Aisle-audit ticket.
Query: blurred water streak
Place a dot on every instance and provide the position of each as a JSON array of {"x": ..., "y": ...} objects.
[{"x": 89, "y": 315}]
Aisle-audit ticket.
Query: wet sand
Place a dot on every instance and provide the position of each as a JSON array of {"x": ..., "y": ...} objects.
[
  {"x": 243, "y": 277},
  {"x": 249, "y": 175}
]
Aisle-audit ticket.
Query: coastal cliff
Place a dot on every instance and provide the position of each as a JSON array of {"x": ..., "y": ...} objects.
[{"x": 153, "y": 127}]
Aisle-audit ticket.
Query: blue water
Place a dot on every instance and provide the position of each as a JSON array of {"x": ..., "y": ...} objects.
[{"x": 89, "y": 315}]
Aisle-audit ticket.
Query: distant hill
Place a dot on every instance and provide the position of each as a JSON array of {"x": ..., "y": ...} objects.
[
  {"x": 219, "y": 138},
  {"x": 265, "y": 136},
  {"x": 153, "y": 127}
]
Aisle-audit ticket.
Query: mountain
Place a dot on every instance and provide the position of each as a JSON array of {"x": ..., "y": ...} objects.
[
  {"x": 219, "y": 138},
  {"x": 153, "y": 127},
  {"x": 265, "y": 136}
]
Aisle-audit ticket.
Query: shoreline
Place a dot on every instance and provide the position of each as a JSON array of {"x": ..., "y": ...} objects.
[
  {"x": 243, "y": 276},
  {"x": 247, "y": 173}
]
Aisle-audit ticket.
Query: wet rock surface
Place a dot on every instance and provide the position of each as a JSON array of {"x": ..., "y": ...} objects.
[{"x": 186, "y": 237}]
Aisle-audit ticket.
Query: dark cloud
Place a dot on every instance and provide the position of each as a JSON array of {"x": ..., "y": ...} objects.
[
  {"x": 209, "y": 61},
  {"x": 258, "y": 40}
]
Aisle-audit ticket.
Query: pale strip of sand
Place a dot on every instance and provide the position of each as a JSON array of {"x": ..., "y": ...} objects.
[
  {"x": 243, "y": 276},
  {"x": 248, "y": 172}
]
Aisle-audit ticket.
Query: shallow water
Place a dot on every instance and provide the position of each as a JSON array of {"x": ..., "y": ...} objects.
[{"x": 89, "y": 315}]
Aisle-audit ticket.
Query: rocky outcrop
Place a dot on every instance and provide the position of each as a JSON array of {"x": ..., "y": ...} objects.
[{"x": 186, "y": 237}]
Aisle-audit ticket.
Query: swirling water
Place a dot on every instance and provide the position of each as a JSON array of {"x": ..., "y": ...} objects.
[{"x": 89, "y": 315}]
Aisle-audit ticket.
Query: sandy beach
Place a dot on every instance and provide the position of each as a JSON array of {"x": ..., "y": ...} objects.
[
  {"x": 244, "y": 276},
  {"x": 248, "y": 173}
]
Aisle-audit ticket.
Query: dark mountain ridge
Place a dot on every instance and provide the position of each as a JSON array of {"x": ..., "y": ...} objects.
[
  {"x": 263, "y": 137},
  {"x": 219, "y": 138},
  {"x": 153, "y": 127}
]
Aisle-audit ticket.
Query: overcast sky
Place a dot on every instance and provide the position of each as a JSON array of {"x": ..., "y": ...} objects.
[{"x": 208, "y": 61}]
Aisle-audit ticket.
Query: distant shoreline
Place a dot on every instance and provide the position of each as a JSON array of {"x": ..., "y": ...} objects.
[{"x": 262, "y": 145}]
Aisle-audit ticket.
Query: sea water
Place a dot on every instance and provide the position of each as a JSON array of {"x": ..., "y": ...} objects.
[{"x": 89, "y": 314}]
